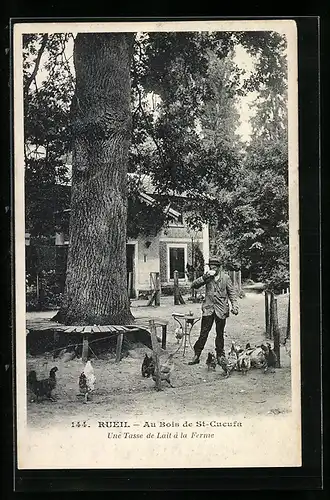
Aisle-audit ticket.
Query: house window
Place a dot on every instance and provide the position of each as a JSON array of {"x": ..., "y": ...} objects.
[{"x": 177, "y": 261}]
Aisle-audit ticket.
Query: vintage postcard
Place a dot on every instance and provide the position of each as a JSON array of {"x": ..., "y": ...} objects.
[{"x": 156, "y": 244}]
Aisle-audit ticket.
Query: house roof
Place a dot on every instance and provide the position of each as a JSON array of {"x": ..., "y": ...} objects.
[{"x": 149, "y": 200}]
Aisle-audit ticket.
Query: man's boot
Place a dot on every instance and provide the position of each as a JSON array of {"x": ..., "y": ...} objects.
[{"x": 195, "y": 360}]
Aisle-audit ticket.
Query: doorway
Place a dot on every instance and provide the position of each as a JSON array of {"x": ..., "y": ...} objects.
[{"x": 130, "y": 266}]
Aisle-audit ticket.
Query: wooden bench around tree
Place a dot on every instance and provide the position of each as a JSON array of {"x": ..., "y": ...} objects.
[{"x": 87, "y": 332}]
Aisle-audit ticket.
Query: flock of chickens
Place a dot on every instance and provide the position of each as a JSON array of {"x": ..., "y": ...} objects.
[
  {"x": 243, "y": 360},
  {"x": 239, "y": 359}
]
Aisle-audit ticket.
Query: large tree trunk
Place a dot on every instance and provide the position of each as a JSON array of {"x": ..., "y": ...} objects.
[{"x": 96, "y": 288}]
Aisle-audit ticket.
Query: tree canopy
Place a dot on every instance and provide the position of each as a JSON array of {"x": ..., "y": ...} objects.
[{"x": 185, "y": 88}]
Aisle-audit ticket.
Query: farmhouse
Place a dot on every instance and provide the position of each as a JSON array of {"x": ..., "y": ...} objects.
[{"x": 172, "y": 249}]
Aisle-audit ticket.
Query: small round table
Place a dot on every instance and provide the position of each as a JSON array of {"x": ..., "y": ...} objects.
[{"x": 186, "y": 322}]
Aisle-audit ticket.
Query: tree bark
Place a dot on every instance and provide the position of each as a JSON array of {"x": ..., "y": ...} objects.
[{"x": 96, "y": 279}]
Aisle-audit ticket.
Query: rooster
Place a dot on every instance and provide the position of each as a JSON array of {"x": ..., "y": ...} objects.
[
  {"x": 42, "y": 388},
  {"x": 87, "y": 381},
  {"x": 230, "y": 363},
  {"x": 211, "y": 361},
  {"x": 270, "y": 358}
]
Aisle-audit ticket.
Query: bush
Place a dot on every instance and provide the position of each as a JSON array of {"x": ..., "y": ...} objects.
[
  {"x": 50, "y": 295},
  {"x": 277, "y": 280}
]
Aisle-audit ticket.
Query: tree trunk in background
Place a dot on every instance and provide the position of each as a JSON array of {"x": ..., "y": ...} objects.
[{"x": 96, "y": 280}]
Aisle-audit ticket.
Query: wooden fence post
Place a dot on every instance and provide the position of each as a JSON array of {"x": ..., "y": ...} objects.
[
  {"x": 120, "y": 338},
  {"x": 155, "y": 297},
  {"x": 178, "y": 299},
  {"x": 84, "y": 354},
  {"x": 267, "y": 315},
  {"x": 288, "y": 333},
  {"x": 193, "y": 290},
  {"x": 164, "y": 335},
  {"x": 276, "y": 333},
  {"x": 271, "y": 316},
  {"x": 155, "y": 356}
]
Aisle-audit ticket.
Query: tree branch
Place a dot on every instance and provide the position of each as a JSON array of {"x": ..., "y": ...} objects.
[{"x": 37, "y": 64}]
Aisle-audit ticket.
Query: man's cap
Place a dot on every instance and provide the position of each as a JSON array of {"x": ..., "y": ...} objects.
[{"x": 214, "y": 261}]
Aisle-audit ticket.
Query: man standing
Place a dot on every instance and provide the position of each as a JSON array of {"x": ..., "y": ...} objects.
[{"x": 219, "y": 289}]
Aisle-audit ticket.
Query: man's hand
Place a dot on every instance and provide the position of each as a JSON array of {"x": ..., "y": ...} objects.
[
  {"x": 234, "y": 310},
  {"x": 209, "y": 274}
]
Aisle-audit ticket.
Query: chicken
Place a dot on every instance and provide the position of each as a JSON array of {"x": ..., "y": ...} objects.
[
  {"x": 230, "y": 363},
  {"x": 87, "y": 381},
  {"x": 148, "y": 366},
  {"x": 257, "y": 356},
  {"x": 42, "y": 388},
  {"x": 165, "y": 370},
  {"x": 251, "y": 357},
  {"x": 226, "y": 365},
  {"x": 270, "y": 358},
  {"x": 244, "y": 362},
  {"x": 178, "y": 333},
  {"x": 236, "y": 348},
  {"x": 211, "y": 361}
]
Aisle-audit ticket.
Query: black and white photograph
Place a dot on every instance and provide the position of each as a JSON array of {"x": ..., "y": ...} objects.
[{"x": 156, "y": 244}]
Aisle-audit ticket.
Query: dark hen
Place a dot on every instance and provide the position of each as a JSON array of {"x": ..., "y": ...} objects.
[
  {"x": 211, "y": 361},
  {"x": 270, "y": 358},
  {"x": 42, "y": 388},
  {"x": 148, "y": 366}
]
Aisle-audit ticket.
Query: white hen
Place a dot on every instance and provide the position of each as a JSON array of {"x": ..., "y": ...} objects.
[
  {"x": 87, "y": 380},
  {"x": 178, "y": 333}
]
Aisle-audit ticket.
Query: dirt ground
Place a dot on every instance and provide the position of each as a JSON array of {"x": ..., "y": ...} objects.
[{"x": 121, "y": 390}]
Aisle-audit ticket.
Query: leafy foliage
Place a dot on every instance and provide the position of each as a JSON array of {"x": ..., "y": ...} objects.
[
  {"x": 185, "y": 88},
  {"x": 46, "y": 128},
  {"x": 256, "y": 233}
]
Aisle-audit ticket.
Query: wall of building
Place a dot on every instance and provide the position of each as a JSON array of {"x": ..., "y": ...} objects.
[
  {"x": 180, "y": 231},
  {"x": 147, "y": 261}
]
